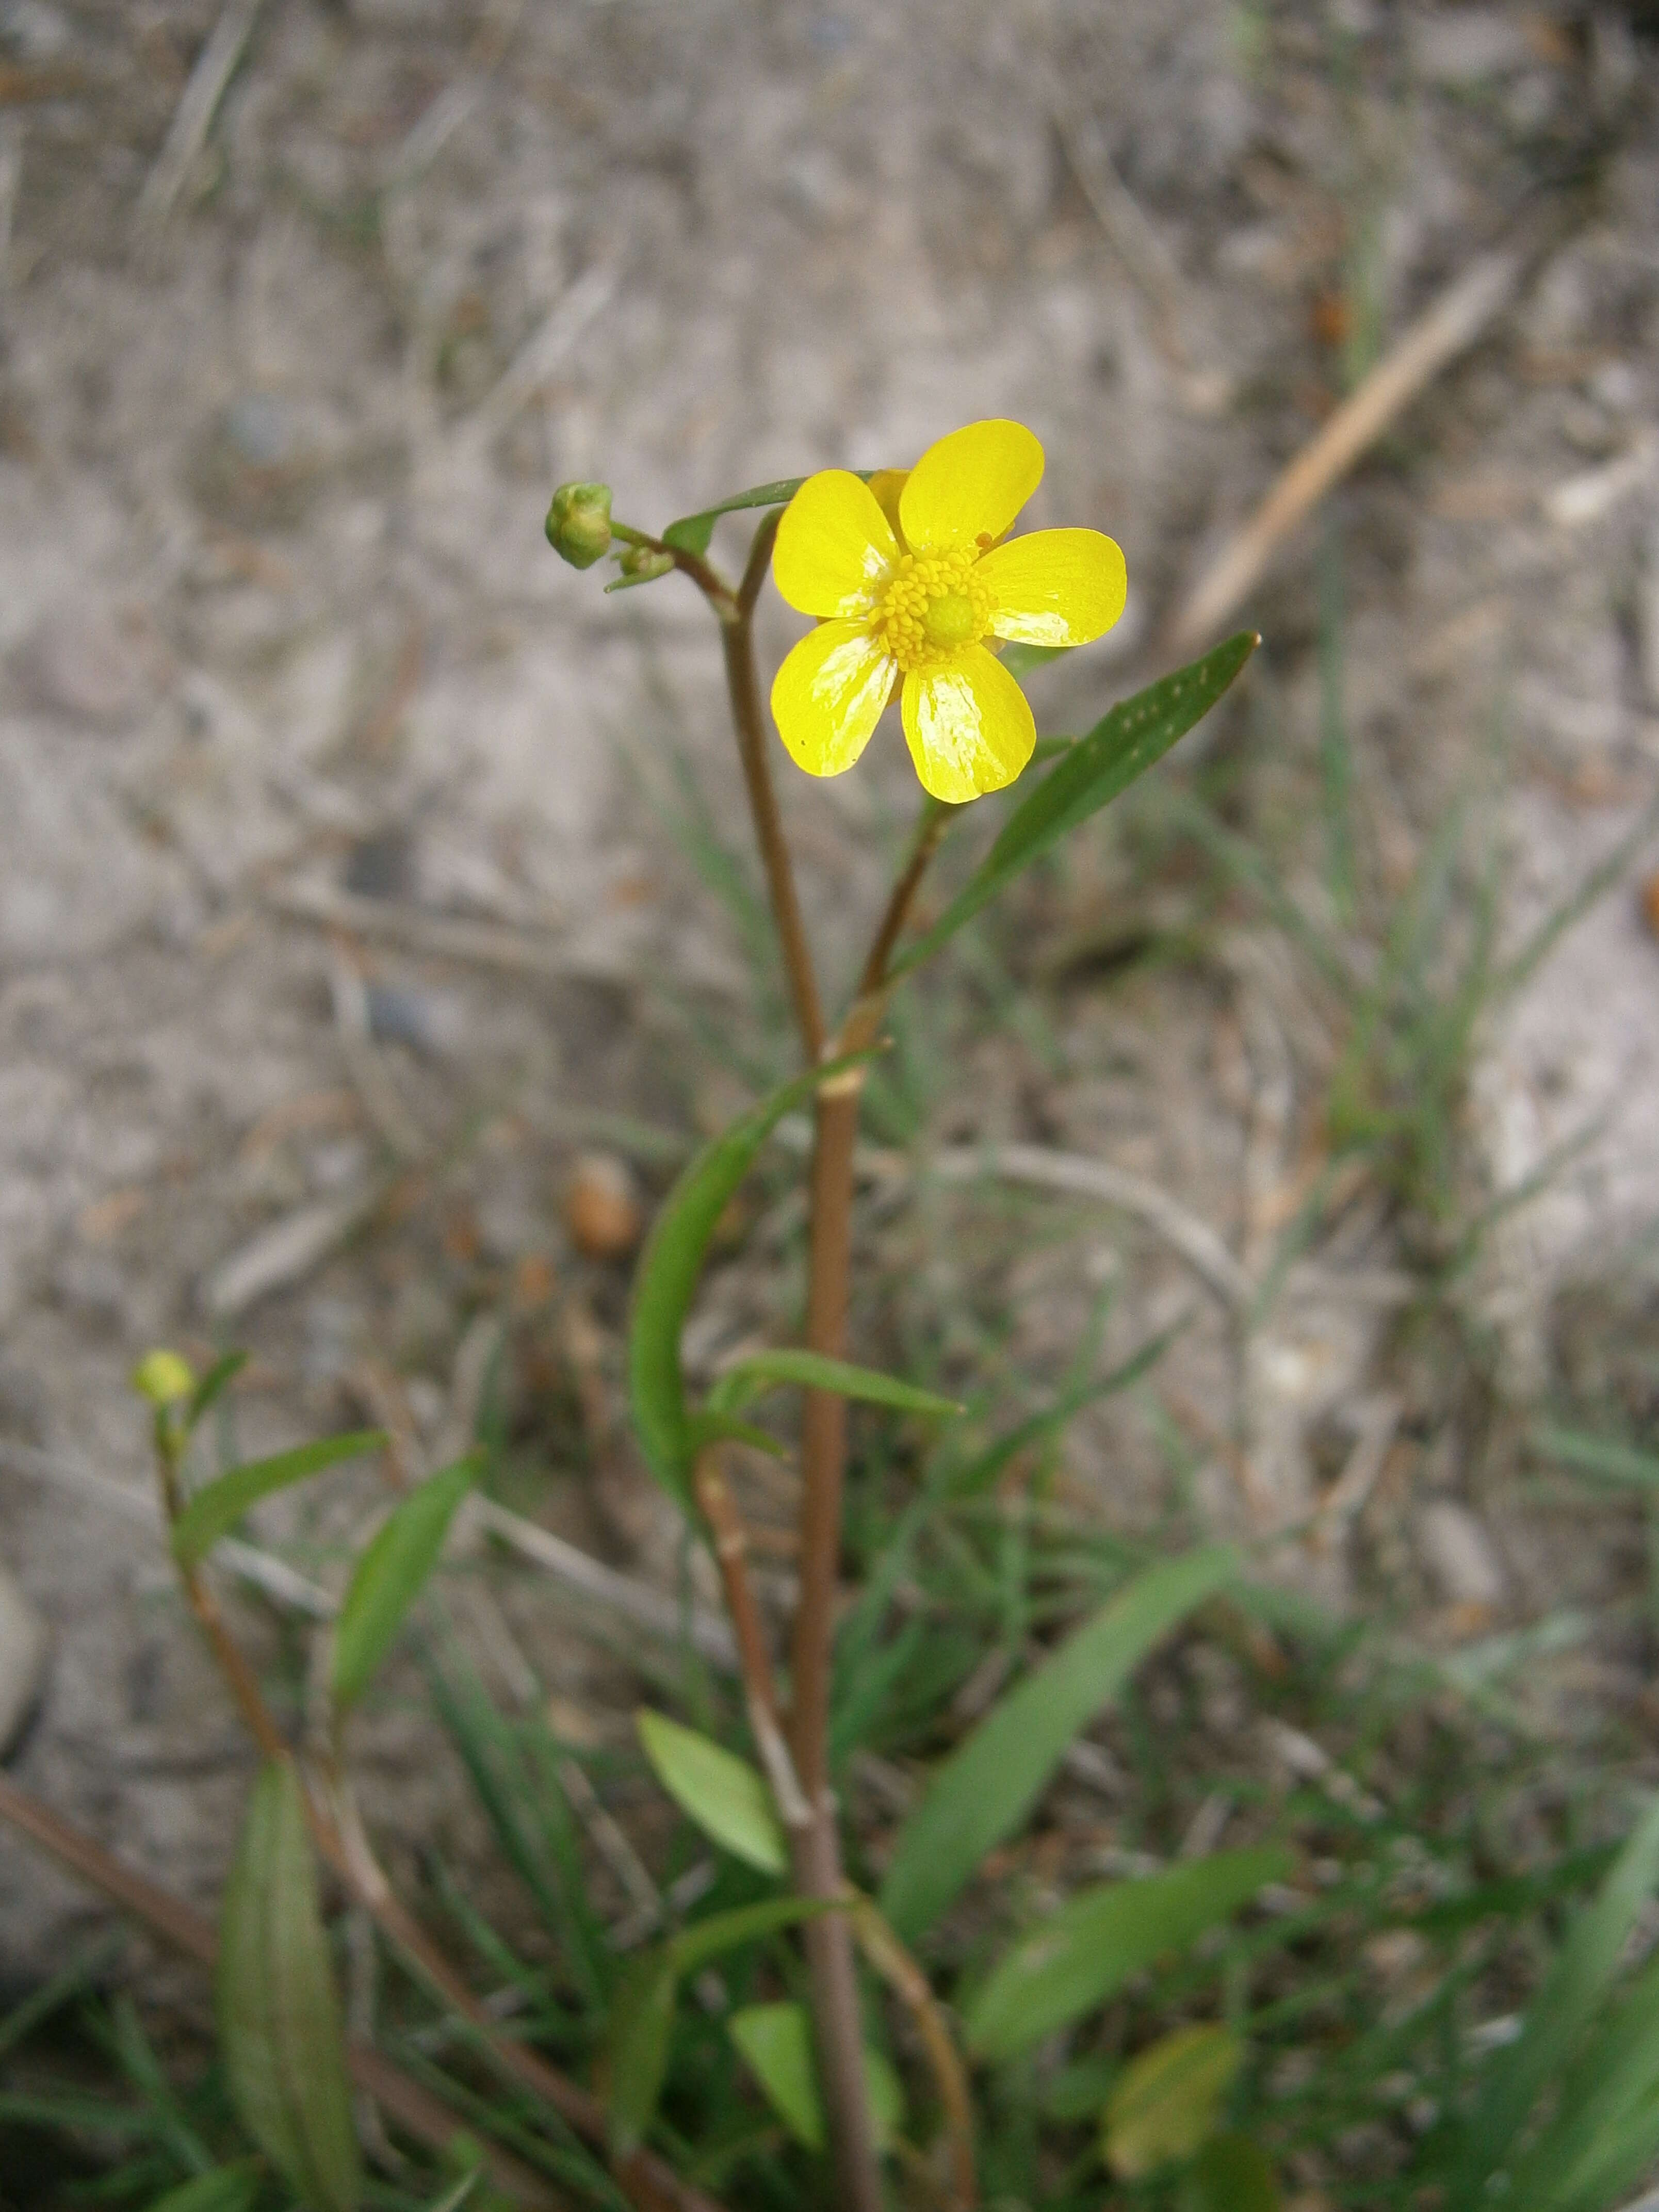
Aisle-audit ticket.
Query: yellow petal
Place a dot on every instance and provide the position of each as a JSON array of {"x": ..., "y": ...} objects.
[
  {"x": 968, "y": 726},
  {"x": 968, "y": 488},
  {"x": 888, "y": 486},
  {"x": 835, "y": 546},
  {"x": 1055, "y": 587},
  {"x": 829, "y": 695}
]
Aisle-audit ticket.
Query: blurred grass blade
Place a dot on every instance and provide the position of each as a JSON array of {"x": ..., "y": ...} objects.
[
  {"x": 1166, "y": 2103},
  {"x": 637, "y": 2048},
  {"x": 765, "y": 1370},
  {"x": 1598, "y": 1455},
  {"x": 694, "y": 1947},
  {"x": 1231, "y": 2174},
  {"x": 1584, "y": 1971},
  {"x": 452, "y": 2199},
  {"x": 669, "y": 1268},
  {"x": 389, "y": 1577},
  {"x": 218, "y": 1507},
  {"x": 223, "y": 1371},
  {"x": 776, "y": 2042},
  {"x": 1606, "y": 2129},
  {"x": 1077, "y": 1958},
  {"x": 227, "y": 2189},
  {"x": 1122, "y": 746},
  {"x": 722, "y": 1793},
  {"x": 986, "y": 1787},
  {"x": 279, "y": 2020}
]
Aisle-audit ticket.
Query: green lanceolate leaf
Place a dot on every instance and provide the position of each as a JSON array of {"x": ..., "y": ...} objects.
[
  {"x": 722, "y": 1793},
  {"x": 766, "y": 1370},
  {"x": 1599, "y": 1455},
  {"x": 984, "y": 1790},
  {"x": 1167, "y": 2102},
  {"x": 279, "y": 2019},
  {"x": 1122, "y": 746},
  {"x": 694, "y": 1947},
  {"x": 669, "y": 1268},
  {"x": 223, "y": 1371},
  {"x": 776, "y": 2041},
  {"x": 1585, "y": 1969},
  {"x": 389, "y": 1575},
  {"x": 1084, "y": 1954},
  {"x": 642, "y": 2019},
  {"x": 219, "y": 1504},
  {"x": 227, "y": 2189},
  {"x": 692, "y": 532},
  {"x": 637, "y": 2055},
  {"x": 1231, "y": 2174}
]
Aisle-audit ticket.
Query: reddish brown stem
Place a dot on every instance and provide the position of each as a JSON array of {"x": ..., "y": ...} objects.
[{"x": 748, "y": 722}]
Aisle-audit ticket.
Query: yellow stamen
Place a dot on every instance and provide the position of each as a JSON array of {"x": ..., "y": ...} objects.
[{"x": 934, "y": 606}]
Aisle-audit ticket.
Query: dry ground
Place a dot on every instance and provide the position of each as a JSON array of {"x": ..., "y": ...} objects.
[{"x": 277, "y": 624}]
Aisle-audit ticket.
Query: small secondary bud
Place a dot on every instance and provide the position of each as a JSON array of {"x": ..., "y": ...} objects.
[
  {"x": 639, "y": 565},
  {"x": 579, "y": 523},
  {"x": 163, "y": 1377}
]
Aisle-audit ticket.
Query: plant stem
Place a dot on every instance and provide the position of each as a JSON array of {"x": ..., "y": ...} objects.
[
  {"x": 748, "y": 722},
  {"x": 816, "y": 1849}
]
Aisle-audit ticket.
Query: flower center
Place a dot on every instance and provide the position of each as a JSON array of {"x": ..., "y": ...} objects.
[{"x": 933, "y": 606}]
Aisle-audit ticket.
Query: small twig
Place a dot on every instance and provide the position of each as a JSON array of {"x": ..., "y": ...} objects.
[
  {"x": 367, "y": 1070},
  {"x": 748, "y": 722},
  {"x": 192, "y": 119},
  {"x": 541, "y": 352},
  {"x": 755, "y": 1662},
  {"x": 263, "y": 1569},
  {"x": 648, "y": 1608},
  {"x": 888, "y": 1955},
  {"x": 1146, "y": 261},
  {"x": 1447, "y": 328},
  {"x": 1194, "y": 1240}
]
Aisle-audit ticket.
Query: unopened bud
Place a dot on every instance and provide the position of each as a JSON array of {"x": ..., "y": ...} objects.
[
  {"x": 163, "y": 1377},
  {"x": 641, "y": 564},
  {"x": 579, "y": 523}
]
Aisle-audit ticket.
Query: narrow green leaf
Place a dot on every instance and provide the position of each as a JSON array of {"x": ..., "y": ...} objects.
[
  {"x": 986, "y": 1787},
  {"x": 279, "y": 2019},
  {"x": 452, "y": 2199},
  {"x": 1231, "y": 2174},
  {"x": 1166, "y": 2103},
  {"x": 1127, "y": 741},
  {"x": 669, "y": 1268},
  {"x": 219, "y": 1504},
  {"x": 388, "y": 1577},
  {"x": 765, "y": 1370},
  {"x": 1606, "y": 2119},
  {"x": 1078, "y": 1957},
  {"x": 1599, "y": 1455},
  {"x": 1584, "y": 1971},
  {"x": 223, "y": 1371},
  {"x": 227, "y": 2189},
  {"x": 692, "y": 532},
  {"x": 776, "y": 2043},
  {"x": 722, "y": 1793},
  {"x": 694, "y": 1947},
  {"x": 707, "y": 1428},
  {"x": 642, "y": 2020}
]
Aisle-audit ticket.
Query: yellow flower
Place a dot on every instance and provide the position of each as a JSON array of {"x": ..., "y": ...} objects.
[{"x": 907, "y": 575}]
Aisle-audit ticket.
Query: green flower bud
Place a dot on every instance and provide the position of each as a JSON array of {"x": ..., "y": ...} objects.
[
  {"x": 640, "y": 565},
  {"x": 163, "y": 1377},
  {"x": 579, "y": 523}
]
